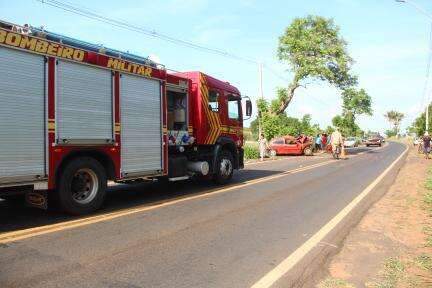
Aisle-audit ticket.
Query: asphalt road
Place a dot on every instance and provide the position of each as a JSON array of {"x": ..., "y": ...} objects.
[{"x": 207, "y": 236}]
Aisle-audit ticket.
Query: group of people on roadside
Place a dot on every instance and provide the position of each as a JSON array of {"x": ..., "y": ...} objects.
[{"x": 321, "y": 141}]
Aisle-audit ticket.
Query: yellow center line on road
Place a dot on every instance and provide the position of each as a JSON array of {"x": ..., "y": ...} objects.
[{"x": 36, "y": 231}]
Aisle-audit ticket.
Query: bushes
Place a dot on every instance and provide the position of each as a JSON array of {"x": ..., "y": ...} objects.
[
  {"x": 251, "y": 152},
  {"x": 391, "y": 133}
]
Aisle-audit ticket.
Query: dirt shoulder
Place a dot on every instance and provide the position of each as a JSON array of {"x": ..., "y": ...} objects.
[{"x": 392, "y": 244}]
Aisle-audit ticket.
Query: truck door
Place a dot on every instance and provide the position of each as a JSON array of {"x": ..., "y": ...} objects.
[
  {"x": 22, "y": 116},
  {"x": 141, "y": 121},
  {"x": 235, "y": 117}
]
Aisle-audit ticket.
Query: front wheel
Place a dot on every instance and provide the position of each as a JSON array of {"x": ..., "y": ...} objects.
[
  {"x": 336, "y": 153},
  {"x": 224, "y": 168},
  {"x": 82, "y": 186},
  {"x": 308, "y": 151}
]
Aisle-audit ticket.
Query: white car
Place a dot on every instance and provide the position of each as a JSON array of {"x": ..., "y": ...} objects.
[{"x": 350, "y": 142}]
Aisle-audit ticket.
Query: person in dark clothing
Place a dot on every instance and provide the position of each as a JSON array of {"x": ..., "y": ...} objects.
[
  {"x": 426, "y": 144},
  {"x": 318, "y": 142}
]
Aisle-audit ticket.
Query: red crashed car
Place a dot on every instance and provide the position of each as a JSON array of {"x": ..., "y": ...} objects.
[{"x": 289, "y": 145}]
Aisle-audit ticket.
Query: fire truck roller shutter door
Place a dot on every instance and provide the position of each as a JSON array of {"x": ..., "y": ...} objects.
[
  {"x": 84, "y": 103},
  {"x": 140, "y": 109},
  {"x": 22, "y": 130}
]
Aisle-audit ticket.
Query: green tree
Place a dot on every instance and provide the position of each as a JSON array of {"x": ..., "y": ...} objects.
[
  {"x": 314, "y": 50},
  {"x": 419, "y": 125},
  {"x": 346, "y": 124},
  {"x": 394, "y": 117},
  {"x": 356, "y": 102},
  {"x": 390, "y": 133},
  {"x": 279, "y": 125},
  {"x": 329, "y": 130}
]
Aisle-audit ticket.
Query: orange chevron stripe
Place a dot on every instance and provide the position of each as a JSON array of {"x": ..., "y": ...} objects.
[
  {"x": 217, "y": 126},
  {"x": 205, "y": 105},
  {"x": 212, "y": 117}
]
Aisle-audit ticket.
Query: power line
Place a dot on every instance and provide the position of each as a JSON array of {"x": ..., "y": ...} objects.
[
  {"x": 85, "y": 12},
  {"x": 425, "y": 97},
  {"x": 145, "y": 31},
  {"x": 275, "y": 73}
]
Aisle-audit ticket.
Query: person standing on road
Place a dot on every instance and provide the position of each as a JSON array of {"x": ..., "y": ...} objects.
[
  {"x": 426, "y": 144},
  {"x": 336, "y": 139},
  {"x": 262, "y": 141},
  {"x": 324, "y": 141},
  {"x": 318, "y": 142}
]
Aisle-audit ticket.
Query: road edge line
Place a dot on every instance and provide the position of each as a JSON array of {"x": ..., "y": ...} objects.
[{"x": 294, "y": 258}]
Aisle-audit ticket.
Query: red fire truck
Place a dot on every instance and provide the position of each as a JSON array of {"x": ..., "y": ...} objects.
[{"x": 74, "y": 116}]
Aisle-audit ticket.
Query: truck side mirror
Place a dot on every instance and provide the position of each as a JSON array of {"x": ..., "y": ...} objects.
[{"x": 248, "y": 108}]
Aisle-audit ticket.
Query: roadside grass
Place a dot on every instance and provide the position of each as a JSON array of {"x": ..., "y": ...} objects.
[
  {"x": 424, "y": 262},
  {"x": 335, "y": 283},
  {"x": 427, "y": 230},
  {"x": 253, "y": 144},
  {"x": 391, "y": 274},
  {"x": 251, "y": 150},
  {"x": 427, "y": 201},
  {"x": 405, "y": 273}
]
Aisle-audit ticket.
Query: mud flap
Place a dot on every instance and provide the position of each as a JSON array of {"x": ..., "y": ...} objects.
[{"x": 37, "y": 199}]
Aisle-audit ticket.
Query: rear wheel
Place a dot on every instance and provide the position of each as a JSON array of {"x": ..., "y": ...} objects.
[
  {"x": 273, "y": 153},
  {"x": 224, "y": 167},
  {"x": 336, "y": 153},
  {"x": 82, "y": 186}
]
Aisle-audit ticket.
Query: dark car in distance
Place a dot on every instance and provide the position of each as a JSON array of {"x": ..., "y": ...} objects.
[{"x": 374, "y": 140}]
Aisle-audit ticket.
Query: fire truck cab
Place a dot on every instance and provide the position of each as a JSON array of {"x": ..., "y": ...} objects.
[{"x": 75, "y": 115}]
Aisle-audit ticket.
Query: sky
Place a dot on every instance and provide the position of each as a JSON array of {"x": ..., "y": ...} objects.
[{"x": 388, "y": 41}]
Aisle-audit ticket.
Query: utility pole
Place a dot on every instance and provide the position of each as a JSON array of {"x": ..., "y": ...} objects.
[
  {"x": 261, "y": 95},
  {"x": 428, "y": 15}
]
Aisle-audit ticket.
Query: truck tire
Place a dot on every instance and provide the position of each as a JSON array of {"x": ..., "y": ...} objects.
[
  {"x": 224, "y": 168},
  {"x": 81, "y": 186}
]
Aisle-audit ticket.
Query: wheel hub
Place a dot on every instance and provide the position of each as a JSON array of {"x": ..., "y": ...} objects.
[
  {"x": 84, "y": 186},
  {"x": 226, "y": 167}
]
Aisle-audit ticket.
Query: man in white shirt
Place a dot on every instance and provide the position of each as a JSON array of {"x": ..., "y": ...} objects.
[{"x": 336, "y": 139}]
